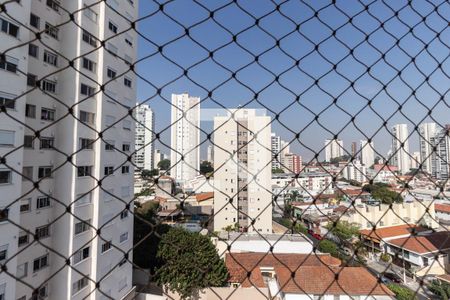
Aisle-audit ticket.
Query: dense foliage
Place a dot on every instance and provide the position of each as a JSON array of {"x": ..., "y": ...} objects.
[
  {"x": 343, "y": 230},
  {"x": 189, "y": 263},
  {"x": 401, "y": 292},
  {"x": 381, "y": 192},
  {"x": 327, "y": 246},
  {"x": 440, "y": 289},
  {"x": 164, "y": 164},
  {"x": 206, "y": 167}
]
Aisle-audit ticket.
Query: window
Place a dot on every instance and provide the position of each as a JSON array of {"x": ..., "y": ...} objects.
[
  {"x": 112, "y": 49},
  {"x": 87, "y": 117},
  {"x": 49, "y": 86},
  {"x": 3, "y": 253},
  {"x": 23, "y": 238},
  {"x": 87, "y": 90},
  {"x": 89, "y": 38},
  {"x": 83, "y": 199},
  {"x": 27, "y": 173},
  {"x": 33, "y": 50},
  {"x": 28, "y": 142},
  {"x": 88, "y": 64},
  {"x": 4, "y": 213},
  {"x": 22, "y": 270},
  {"x": 87, "y": 144},
  {"x": 112, "y": 27},
  {"x": 127, "y": 82},
  {"x": 35, "y": 21},
  {"x": 82, "y": 226},
  {"x": 111, "y": 73},
  {"x": 126, "y": 124},
  {"x": 31, "y": 80},
  {"x": 84, "y": 171},
  {"x": 30, "y": 111},
  {"x": 5, "y": 176},
  {"x": 7, "y": 101},
  {"x": 44, "y": 172},
  {"x": 106, "y": 246},
  {"x": 123, "y": 237},
  {"x": 25, "y": 205},
  {"x": 129, "y": 40},
  {"x": 47, "y": 114},
  {"x": 80, "y": 284},
  {"x": 125, "y": 169},
  {"x": 109, "y": 170},
  {"x": 51, "y": 30},
  {"x": 124, "y": 214},
  {"x": 109, "y": 121},
  {"x": 6, "y": 138},
  {"x": 47, "y": 142},
  {"x": 42, "y": 202},
  {"x": 40, "y": 293},
  {"x": 90, "y": 13},
  {"x": 40, "y": 263},
  {"x": 43, "y": 232},
  {"x": 50, "y": 58},
  {"x": 10, "y": 64},
  {"x": 125, "y": 147},
  {"x": 80, "y": 255},
  {"x": 53, "y": 4},
  {"x": 109, "y": 146},
  {"x": 9, "y": 28}
]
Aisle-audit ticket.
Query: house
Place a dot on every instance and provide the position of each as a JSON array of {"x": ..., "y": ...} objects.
[
  {"x": 421, "y": 254},
  {"x": 442, "y": 213},
  {"x": 303, "y": 276}
]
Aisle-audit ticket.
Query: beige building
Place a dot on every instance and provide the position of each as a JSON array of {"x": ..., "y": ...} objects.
[{"x": 242, "y": 177}]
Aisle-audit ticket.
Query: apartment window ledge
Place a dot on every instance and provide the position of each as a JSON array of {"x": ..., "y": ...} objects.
[
  {"x": 81, "y": 261},
  {"x": 82, "y": 289}
]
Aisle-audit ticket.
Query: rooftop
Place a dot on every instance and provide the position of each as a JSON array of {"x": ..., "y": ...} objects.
[
  {"x": 204, "y": 196},
  {"x": 442, "y": 208},
  {"x": 391, "y": 231},
  {"x": 432, "y": 242}
]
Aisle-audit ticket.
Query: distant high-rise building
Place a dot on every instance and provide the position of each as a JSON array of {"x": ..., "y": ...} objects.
[
  {"x": 354, "y": 148},
  {"x": 415, "y": 160},
  {"x": 367, "y": 153},
  {"x": 441, "y": 157},
  {"x": 185, "y": 137},
  {"x": 210, "y": 154},
  {"x": 242, "y": 148},
  {"x": 333, "y": 149},
  {"x": 355, "y": 171},
  {"x": 427, "y": 131},
  {"x": 276, "y": 149},
  {"x": 400, "y": 155},
  {"x": 292, "y": 163},
  {"x": 145, "y": 136},
  {"x": 157, "y": 157}
]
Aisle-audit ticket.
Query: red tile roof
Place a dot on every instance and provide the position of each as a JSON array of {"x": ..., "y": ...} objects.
[
  {"x": 320, "y": 280},
  {"x": 432, "y": 242},
  {"x": 391, "y": 231},
  {"x": 239, "y": 264},
  {"x": 204, "y": 196},
  {"x": 442, "y": 208}
]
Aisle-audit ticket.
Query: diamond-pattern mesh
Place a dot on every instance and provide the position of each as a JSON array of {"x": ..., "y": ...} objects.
[{"x": 322, "y": 70}]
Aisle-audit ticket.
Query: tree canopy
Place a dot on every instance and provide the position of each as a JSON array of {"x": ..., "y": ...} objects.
[
  {"x": 440, "y": 289},
  {"x": 206, "y": 167},
  {"x": 164, "y": 164},
  {"x": 381, "y": 192},
  {"x": 401, "y": 292},
  {"x": 189, "y": 262},
  {"x": 327, "y": 246},
  {"x": 343, "y": 230},
  {"x": 277, "y": 170}
]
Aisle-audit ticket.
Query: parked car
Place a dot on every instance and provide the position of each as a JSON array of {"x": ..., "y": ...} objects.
[
  {"x": 317, "y": 236},
  {"x": 390, "y": 277}
]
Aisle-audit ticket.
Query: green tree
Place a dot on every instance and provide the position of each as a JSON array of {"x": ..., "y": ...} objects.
[
  {"x": 190, "y": 262},
  {"x": 206, "y": 167},
  {"x": 148, "y": 174},
  {"x": 343, "y": 230},
  {"x": 381, "y": 192},
  {"x": 401, "y": 292},
  {"x": 327, "y": 246},
  {"x": 277, "y": 170},
  {"x": 440, "y": 289},
  {"x": 164, "y": 164}
]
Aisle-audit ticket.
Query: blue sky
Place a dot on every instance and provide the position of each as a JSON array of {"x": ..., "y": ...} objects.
[{"x": 309, "y": 87}]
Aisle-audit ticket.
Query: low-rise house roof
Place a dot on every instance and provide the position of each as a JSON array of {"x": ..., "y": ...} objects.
[
  {"x": 391, "y": 232},
  {"x": 204, "y": 196},
  {"x": 433, "y": 242},
  {"x": 442, "y": 208}
]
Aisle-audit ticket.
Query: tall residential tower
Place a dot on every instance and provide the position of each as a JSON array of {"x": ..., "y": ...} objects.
[
  {"x": 145, "y": 137},
  {"x": 400, "y": 148}
]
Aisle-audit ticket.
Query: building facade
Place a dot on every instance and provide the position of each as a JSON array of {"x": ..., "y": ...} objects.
[
  {"x": 145, "y": 137},
  {"x": 242, "y": 160},
  {"x": 276, "y": 151},
  {"x": 62, "y": 165},
  {"x": 400, "y": 156},
  {"x": 427, "y": 132},
  {"x": 367, "y": 153},
  {"x": 333, "y": 149},
  {"x": 440, "y": 158},
  {"x": 185, "y": 137}
]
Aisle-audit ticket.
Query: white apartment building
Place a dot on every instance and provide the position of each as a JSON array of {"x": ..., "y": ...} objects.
[
  {"x": 355, "y": 171},
  {"x": 145, "y": 137},
  {"x": 61, "y": 166},
  {"x": 427, "y": 132},
  {"x": 276, "y": 148},
  {"x": 242, "y": 177},
  {"x": 185, "y": 137},
  {"x": 400, "y": 154},
  {"x": 157, "y": 157},
  {"x": 210, "y": 153},
  {"x": 441, "y": 157},
  {"x": 333, "y": 148},
  {"x": 367, "y": 153}
]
